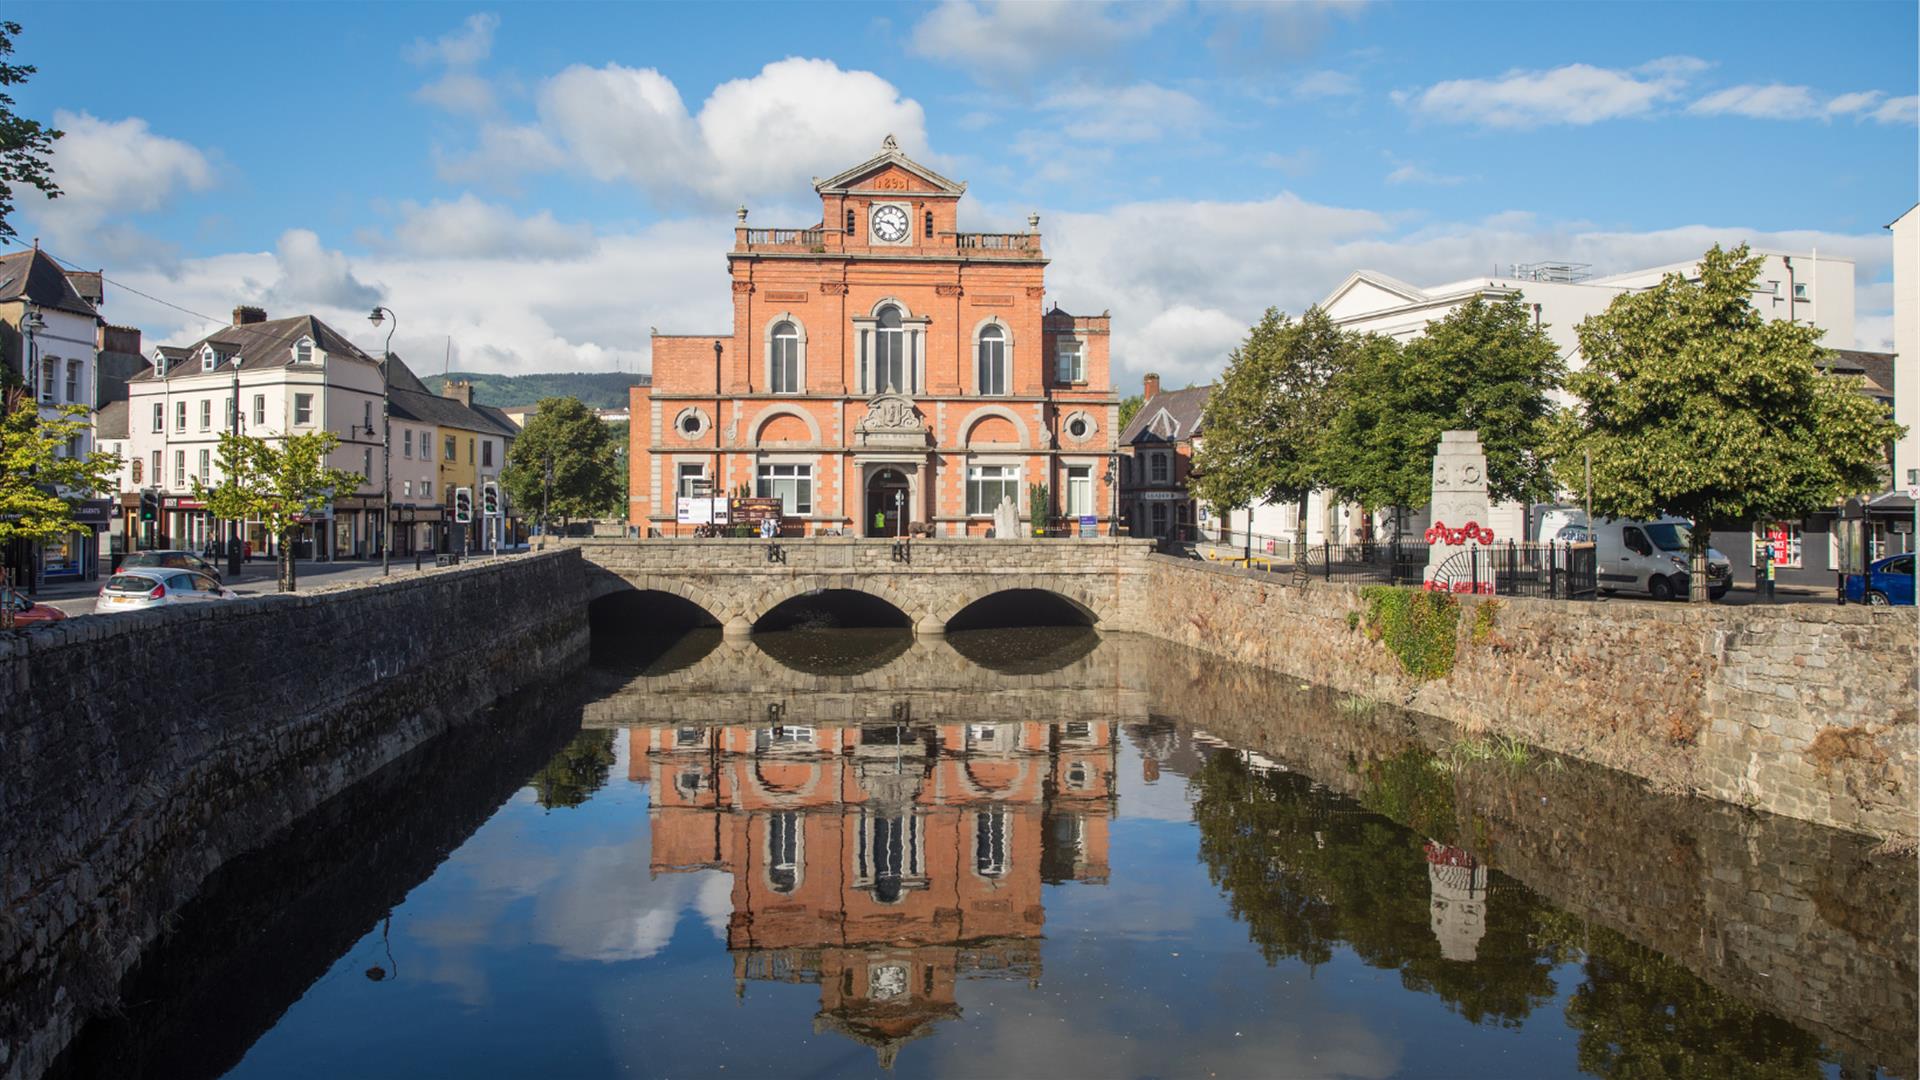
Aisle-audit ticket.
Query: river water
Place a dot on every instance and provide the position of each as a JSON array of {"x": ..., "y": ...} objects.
[{"x": 1014, "y": 853}]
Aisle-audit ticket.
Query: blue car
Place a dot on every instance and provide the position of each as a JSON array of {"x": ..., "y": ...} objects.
[{"x": 1887, "y": 581}]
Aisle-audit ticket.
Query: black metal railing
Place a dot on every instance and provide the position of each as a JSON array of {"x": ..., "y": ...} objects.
[{"x": 1554, "y": 570}]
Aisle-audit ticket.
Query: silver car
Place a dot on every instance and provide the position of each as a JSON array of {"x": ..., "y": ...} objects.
[{"x": 145, "y": 587}]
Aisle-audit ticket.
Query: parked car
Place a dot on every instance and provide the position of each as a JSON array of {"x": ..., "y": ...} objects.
[
  {"x": 1887, "y": 581},
  {"x": 138, "y": 589},
  {"x": 26, "y": 613},
  {"x": 169, "y": 560},
  {"x": 1640, "y": 556}
]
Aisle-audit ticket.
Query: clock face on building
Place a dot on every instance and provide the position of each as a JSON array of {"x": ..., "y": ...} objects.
[{"x": 890, "y": 224}]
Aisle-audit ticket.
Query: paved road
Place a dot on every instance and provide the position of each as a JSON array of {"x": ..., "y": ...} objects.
[{"x": 259, "y": 576}]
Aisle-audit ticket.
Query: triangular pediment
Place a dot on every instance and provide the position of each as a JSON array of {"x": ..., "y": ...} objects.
[
  {"x": 1366, "y": 291},
  {"x": 889, "y": 170}
]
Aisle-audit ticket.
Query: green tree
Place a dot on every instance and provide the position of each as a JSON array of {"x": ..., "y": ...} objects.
[
  {"x": 576, "y": 772},
  {"x": 1266, "y": 418},
  {"x": 567, "y": 437},
  {"x": 37, "y": 477},
  {"x": 24, "y": 144},
  {"x": 276, "y": 480},
  {"x": 1039, "y": 507},
  {"x": 1692, "y": 403},
  {"x": 1129, "y": 407},
  {"x": 1486, "y": 367}
]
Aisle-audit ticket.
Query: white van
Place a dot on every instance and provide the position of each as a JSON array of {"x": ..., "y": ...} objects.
[{"x": 1639, "y": 556}]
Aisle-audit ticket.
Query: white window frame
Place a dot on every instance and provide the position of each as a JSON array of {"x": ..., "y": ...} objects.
[
  {"x": 259, "y": 410},
  {"x": 159, "y": 417},
  {"x": 297, "y": 407},
  {"x": 406, "y": 443},
  {"x": 303, "y": 351},
  {"x": 681, "y": 475},
  {"x": 206, "y": 466},
  {"x": 1007, "y": 473},
  {"x": 206, "y": 414},
  {"x": 1003, "y": 335},
  {"x": 798, "y": 342},
  {"x": 180, "y": 414},
  {"x": 180, "y": 469},
  {"x": 209, "y": 360},
  {"x": 1078, "y": 508},
  {"x": 797, "y": 477},
  {"x": 73, "y": 383},
  {"x": 1077, "y": 373}
]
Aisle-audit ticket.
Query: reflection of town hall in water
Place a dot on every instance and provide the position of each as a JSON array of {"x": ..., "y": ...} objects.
[
  {"x": 884, "y": 373},
  {"x": 883, "y": 862}
]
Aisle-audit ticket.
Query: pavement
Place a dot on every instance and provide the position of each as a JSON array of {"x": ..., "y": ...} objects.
[{"x": 258, "y": 576}]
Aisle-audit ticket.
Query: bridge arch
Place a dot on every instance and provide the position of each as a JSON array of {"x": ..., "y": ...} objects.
[
  {"x": 1003, "y": 604},
  {"x": 874, "y": 603}
]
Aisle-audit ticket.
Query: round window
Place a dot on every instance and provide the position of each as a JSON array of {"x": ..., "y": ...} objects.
[
  {"x": 691, "y": 423},
  {"x": 1079, "y": 426}
]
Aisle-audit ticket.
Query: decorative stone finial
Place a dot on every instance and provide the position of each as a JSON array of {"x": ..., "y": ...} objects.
[
  {"x": 889, "y": 143},
  {"x": 1033, "y": 222},
  {"x": 741, "y": 213}
]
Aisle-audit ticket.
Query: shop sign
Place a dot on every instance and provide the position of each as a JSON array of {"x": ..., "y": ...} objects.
[
  {"x": 1163, "y": 496},
  {"x": 1089, "y": 525},
  {"x": 97, "y": 512},
  {"x": 701, "y": 511},
  {"x": 755, "y": 511}
]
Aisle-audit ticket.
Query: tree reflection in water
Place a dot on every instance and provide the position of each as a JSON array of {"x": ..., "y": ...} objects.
[
  {"x": 576, "y": 772},
  {"x": 1308, "y": 871}
]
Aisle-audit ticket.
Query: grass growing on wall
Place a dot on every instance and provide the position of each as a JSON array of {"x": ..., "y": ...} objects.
[
  {"x": 1416, "y": 626},
  {"x": 1484, "y": 615}
]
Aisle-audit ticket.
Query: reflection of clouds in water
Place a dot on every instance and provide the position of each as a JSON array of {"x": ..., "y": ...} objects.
[
  {"x": 1133, "y": 1034},
  {"x": 607, "y": 907}
]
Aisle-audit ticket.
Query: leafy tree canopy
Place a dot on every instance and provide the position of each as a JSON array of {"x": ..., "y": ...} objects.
[
  {"x": 1128, "y": 407},
  {"x": 1692, "y": 403},
  {"x": 24, "y": 144},
  {"x": 587, "y": 478},
  {"x": 276, "y": 481},
  {"x": 1269, "y": 412},
  {"x": 1486, "y": 367}
]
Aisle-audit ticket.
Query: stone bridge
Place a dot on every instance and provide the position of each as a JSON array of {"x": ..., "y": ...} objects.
[{"x": 738, "y": 582}]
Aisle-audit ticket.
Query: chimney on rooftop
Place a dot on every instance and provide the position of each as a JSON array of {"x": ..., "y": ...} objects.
[
  {"x": 1150, "y": 386},
  {"x": 459, "y": 390},
  {"x": 120, "y": 339},
  {"x": 246, "y": 314}
]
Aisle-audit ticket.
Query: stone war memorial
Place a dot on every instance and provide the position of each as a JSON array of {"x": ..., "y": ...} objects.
[{"x": 1460, "y": 512}]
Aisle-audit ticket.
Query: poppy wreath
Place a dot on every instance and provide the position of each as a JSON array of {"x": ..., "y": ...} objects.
[{"x": 1439, "y": 533}]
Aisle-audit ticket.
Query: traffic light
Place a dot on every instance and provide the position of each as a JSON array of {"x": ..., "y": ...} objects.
[
  {"x": 463, "y": 505},
  {"x": 149, "y": 504},
  {"x": 490, "y": 499}
]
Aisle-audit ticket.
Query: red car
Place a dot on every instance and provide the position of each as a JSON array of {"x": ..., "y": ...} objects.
[{"x": 27, "y": 614}]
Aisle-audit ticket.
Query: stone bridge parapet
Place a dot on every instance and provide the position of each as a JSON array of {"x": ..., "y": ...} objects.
[{"x": 738, "y": 581}]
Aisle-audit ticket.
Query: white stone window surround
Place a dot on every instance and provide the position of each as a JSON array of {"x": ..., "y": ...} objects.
[
  {"x": 775, "y": 411},
  {"x": 1066, "y": 426},
  {"x": 973, "y": 419},
  {"x": 704, "y": 461},
  {"x": 913, "y": 329},
  {"x": 1093, "y": 465},
  {"x": 692, "y": 422},
  {"x": 800, "y": 347},
  {"x": 1006, "y": 336}
]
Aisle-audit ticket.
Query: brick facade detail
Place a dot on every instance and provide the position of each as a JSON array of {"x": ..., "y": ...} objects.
[{"x": 804, "y": 383}]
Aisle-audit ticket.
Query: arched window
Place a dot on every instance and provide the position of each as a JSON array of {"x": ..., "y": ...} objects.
[
  {"x": 890, "y": 353},
  {"x": 993, "y": 360},
  {"x": 786, "y": 359}
]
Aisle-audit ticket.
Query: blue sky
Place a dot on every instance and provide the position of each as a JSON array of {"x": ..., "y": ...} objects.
[{"x": 542, "y": 184}]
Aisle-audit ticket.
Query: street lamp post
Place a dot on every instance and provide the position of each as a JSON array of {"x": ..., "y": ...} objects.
[
  {"x": 233, "y": 427},
  {"x": 386, "y": 437}
]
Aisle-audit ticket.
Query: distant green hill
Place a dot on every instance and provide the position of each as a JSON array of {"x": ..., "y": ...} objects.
[{"x": 596, "y": 389}]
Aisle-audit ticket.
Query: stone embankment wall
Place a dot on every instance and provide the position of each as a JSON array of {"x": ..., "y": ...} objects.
[
  {"x": 1803, "y": 710},
  {"x": 142, "y": 751},
  {"x": 1804, "y": 920}
]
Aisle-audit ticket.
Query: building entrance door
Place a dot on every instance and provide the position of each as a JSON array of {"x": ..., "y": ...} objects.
[{"x": 886, "y": 503}]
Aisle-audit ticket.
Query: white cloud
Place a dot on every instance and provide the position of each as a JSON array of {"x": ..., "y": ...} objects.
[
  {"x": 1260, "y": 31},
  {"x": 1325, "y": 84},
  {"x": 995, "y": 39},
  {"x": 1142, "y": 112},
  {"x": 753, "y": 136},
  {"x": 312, "y": 275},
  {"x": 1900, "y": 110},
  {"x": 1221, "y": 264},
  {"x": 1847, "y": 104},
  {"x": 470, "y": 228},
  {"x": 1573, "y": 94},
  {"x": 464, "y": 47},
  {"x": 1409, "y": 172},
  {"x": 1298, "y": 163},
  {"x": 459, "y": 90},
  {"x": 109, "y": 168}
]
